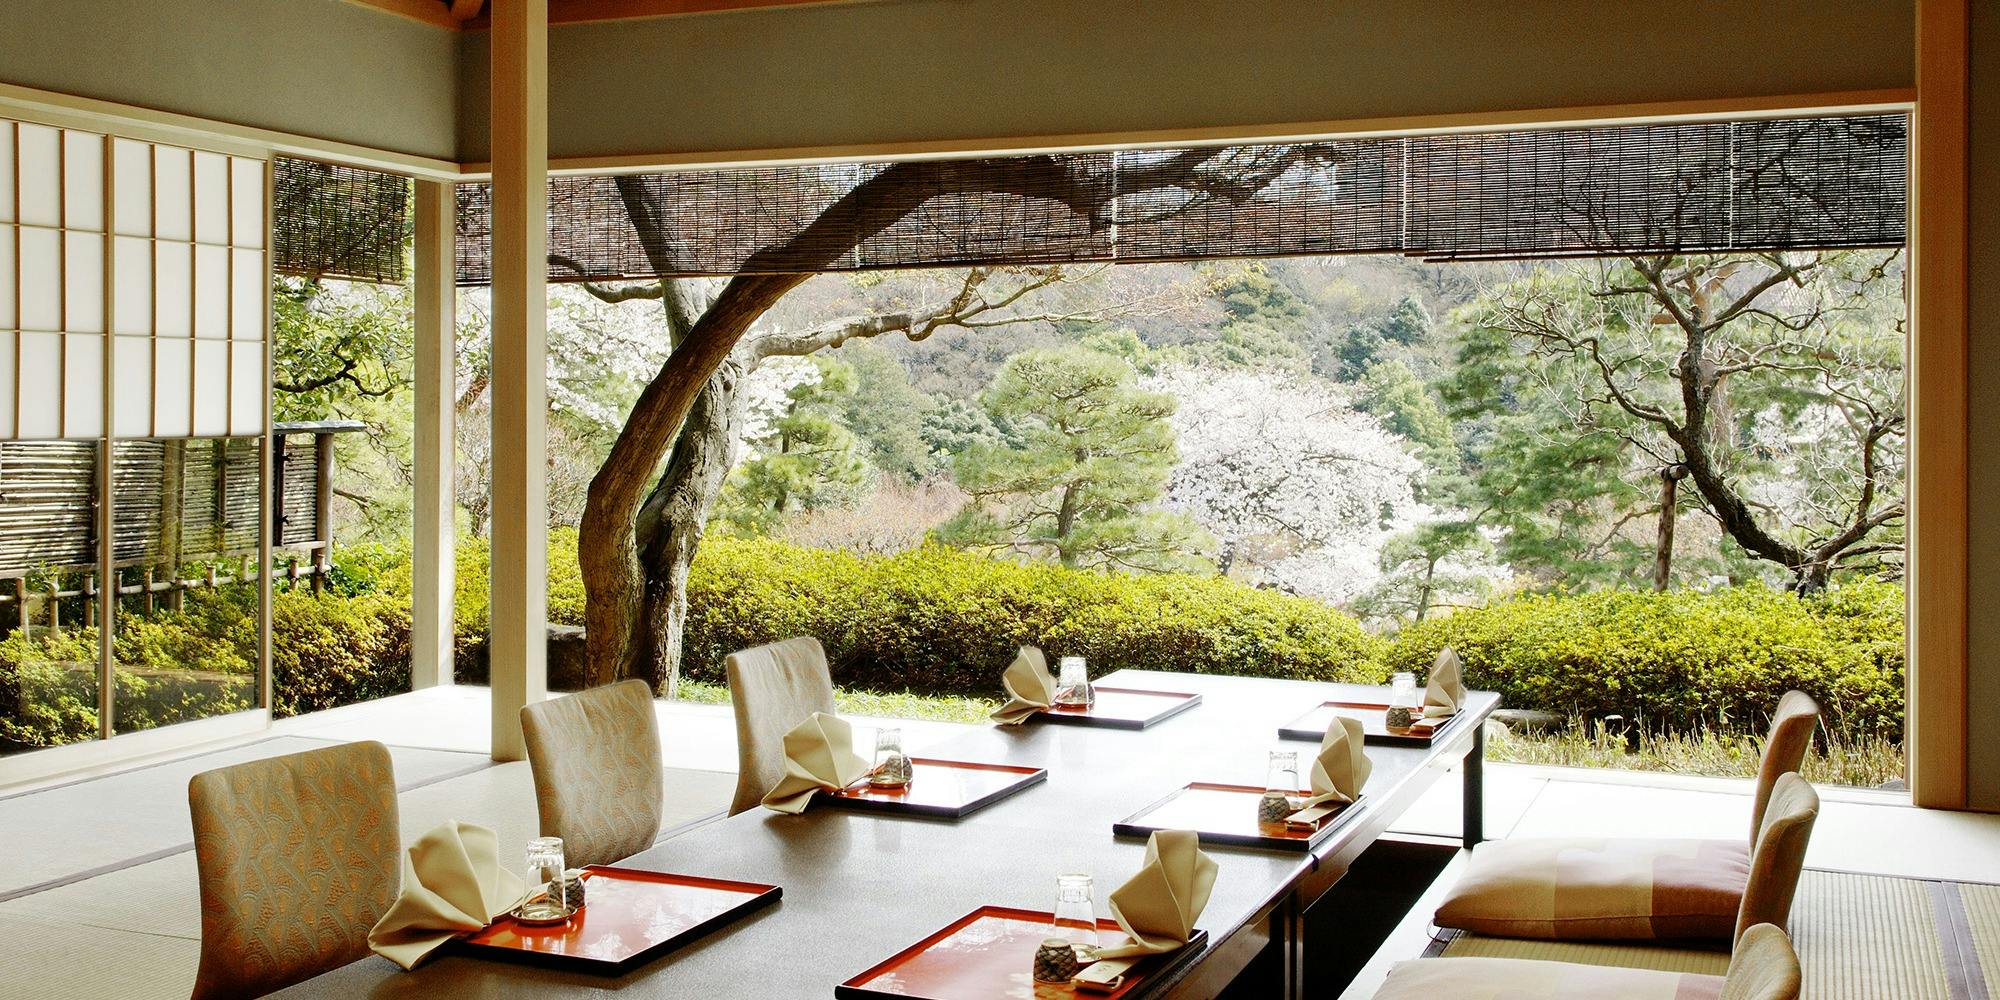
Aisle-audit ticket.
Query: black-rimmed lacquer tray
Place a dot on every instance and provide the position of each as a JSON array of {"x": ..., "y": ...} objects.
[
  {"x": 1123, "y": 708},
  {"x": 1227, "y": 815},
  {"x": 1374, "y": 719},
  {"x": 946, "y": 789},
  {"x": 629, "y": 918},
  {"x": 989, "y": 953}
]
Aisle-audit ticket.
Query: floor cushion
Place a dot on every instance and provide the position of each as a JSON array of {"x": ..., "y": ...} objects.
[
  {"x": 1601, "y": 889},
  {"x": 1513, "y": 979}
]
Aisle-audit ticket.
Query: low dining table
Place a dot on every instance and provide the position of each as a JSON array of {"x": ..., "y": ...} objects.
[{"x": 859, "y": 887}]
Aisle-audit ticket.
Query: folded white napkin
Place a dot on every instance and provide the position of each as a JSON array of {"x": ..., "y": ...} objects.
[
  {"x": 1029, "y": 685},
  {"x": 819, "y": 754},
  {"x": 1157, "y": 907},
  {"x": 1338, "y": 772},
  {"x": 453, "y": 883},
  {"x": 1445, "y": 690}
]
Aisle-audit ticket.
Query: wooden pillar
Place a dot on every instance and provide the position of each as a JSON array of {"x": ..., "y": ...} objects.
[
  {"x": 433, "y": 567},
  {"x": 322, "y": 509},
  {"x": 1938, "y": 568},
  {"x": 518, "y": 652}
]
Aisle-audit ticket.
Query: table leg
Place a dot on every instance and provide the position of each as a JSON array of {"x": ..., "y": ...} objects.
[
  {"x": 1292, "y": 914},
  {"x": 1474, "y": 772}
]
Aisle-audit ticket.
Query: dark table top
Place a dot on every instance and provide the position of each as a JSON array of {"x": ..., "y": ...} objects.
[{"x": 859, "y": 887}]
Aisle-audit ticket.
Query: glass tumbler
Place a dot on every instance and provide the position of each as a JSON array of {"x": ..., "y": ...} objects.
[
  {"x": 1281, "y": 788},
  {"x": 545, "y": 867},
  {"x": 1076, "y": 914},
  {"x": 892, "y": 766},
  {"x": 1404, "y": 707},
  {"x": 1073, "y": 684}
]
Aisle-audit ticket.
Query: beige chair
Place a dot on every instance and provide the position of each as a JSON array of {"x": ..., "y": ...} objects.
[
  {"x": 298, "y": 857},
  {"x": 773, "y": 689},
  {"x": 1764, "y": 967},
  {"x": 596, "y": 759},
  {"x": 1780, "y": 855},
  {"x": 1632, "y": 888}
]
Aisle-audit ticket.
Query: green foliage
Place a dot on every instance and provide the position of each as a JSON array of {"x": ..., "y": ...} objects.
[
  {"x": 1863, "y": 760},
  {"x": 1393, "y": 393},
  {"x": 809, "y": 460},
  {"x": 1683, "y": 660},
  {"x": 1091, "y": 451},
  {"x": 939, "y": 621},
  {"x": 331, "y": 649},
  {"x": 886, "y": 412}
]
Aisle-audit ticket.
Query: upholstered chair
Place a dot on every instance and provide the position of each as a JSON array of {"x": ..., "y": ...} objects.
[
  {"x": 1634, "y": 888},
  {"x": 596, "y": 759},
  {"x": 773, "y": 689},
  {"x": 1763, "y": 967},
  {"x": 298, "y": 857},
  {"x": 1780, "y": 855}
]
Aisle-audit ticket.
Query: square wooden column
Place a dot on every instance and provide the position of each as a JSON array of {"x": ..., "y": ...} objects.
[
  {"x": 519, "y": 645},
  {"x": 1937, "y": 368},
  {"x": 433, "y": 568}
]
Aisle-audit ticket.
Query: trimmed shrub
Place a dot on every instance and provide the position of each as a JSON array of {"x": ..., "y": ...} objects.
[
  {"x": 939, "y": 621},
  {"x": 332, "y": 650},
  {"x": 1683, "y": 660}
]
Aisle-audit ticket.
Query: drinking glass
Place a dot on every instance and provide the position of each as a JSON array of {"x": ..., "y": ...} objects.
[
  {"x": 1281, "y": 788},
  {"x": 545, "y": 866},
  {"x": 1076, "y": 914},
  {"x": 1073, "y": 684},
  {"x": 1404, "y": 707},
  {"x": 892, "y": 766}
]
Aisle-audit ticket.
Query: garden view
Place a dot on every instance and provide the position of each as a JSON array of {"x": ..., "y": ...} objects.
[{"x": 1640, "y": 497}]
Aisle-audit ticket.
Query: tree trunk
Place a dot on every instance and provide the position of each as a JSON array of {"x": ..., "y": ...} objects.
[
  {"x": 1424, "y": 592},
  {"x": 671, "y": 523},
  {"x": 1663, "y": 548},
  {"x": 614, "y": 582}
]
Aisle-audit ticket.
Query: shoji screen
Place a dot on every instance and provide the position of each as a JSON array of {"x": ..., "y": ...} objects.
[{"x": 132, "y": 268}]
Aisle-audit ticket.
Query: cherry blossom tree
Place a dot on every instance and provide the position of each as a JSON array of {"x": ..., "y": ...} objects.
[{"x": 1297, "y": 485}]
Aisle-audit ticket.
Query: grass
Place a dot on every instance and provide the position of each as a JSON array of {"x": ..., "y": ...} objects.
[
  {"x": 898, "y": 705},
  {"x": 1864, "y": 761}
]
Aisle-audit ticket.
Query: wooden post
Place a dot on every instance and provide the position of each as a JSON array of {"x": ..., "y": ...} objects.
[
  {"x": 322, "y": 508},
  {"x": 433, "y": 567},
  {"x": 1938, "y": 464},
  {"x": 518, "y": 654}
]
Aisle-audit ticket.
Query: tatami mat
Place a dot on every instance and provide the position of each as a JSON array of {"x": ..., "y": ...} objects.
[
  {"x": 59, "y": 834},
  {"x": 67, "y": 962},
  {"x": 1859, "y": 937}
]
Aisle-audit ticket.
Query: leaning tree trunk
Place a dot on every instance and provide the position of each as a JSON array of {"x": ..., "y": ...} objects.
[
  {"x": 614, "y": 582},
  {"x": 670, "y": 525}
]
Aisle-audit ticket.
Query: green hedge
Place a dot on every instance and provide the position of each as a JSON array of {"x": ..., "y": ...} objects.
[
  {"x": 940, "y": 621},
  {"x": 1683, "y": 660},
  {"x": 175, "y": 666}
]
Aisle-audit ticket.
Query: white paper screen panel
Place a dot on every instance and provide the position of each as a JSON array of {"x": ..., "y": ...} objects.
[
  {"x": 39, "y": 183},
  {"x": 131, "y": 270},
  {"x": 7, "y": 177}
]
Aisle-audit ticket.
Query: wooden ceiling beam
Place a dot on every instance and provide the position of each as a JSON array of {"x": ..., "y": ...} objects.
[{"x": 471, "y": 15}]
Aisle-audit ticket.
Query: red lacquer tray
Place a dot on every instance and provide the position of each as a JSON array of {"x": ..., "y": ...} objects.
[
  {"x": 948, "y": 789},
  {"x": 990, "y": 953},
  {"x": 629, "y": 918},
  {"x": 1374, "y": 719},
  {"x": 1123, "y": 708},
  {"x": 1227, "y": 814}
]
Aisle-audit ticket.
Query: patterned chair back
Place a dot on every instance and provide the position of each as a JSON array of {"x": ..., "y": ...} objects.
[
  {"x": 1763, "y": 967},
  {"x": 773, "y": 688},
  {"x": 596, "y": 758},
  {"x": 298, "y": 857},
  {"x": 1780, "y": 855},
  {"x": 1785, "y": 748}
]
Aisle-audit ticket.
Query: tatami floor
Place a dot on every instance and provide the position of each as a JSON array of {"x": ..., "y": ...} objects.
[{"x": 106, "y": 893}]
